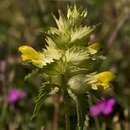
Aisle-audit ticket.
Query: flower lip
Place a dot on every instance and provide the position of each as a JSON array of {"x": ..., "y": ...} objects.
[
  {"x": 28, "y": 53},
  {"x": 105, "y": 76},
  {"x": 102, "y": 79}
]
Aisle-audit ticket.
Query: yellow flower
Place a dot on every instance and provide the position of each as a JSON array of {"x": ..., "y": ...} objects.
[
  {"x": 30, "y": 54},
  {"x": 102, "y": 79},
  {"x": 94, "y": 47}
]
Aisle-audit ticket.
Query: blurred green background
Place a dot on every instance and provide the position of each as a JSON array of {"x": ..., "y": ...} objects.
[{"x": 24, "y": 21}]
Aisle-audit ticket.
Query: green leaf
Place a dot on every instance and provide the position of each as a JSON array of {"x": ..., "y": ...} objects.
[
  {"x": 83, "y": 99},
  {"x": 75, "y": 69},
  {"x": 86, "y": 122},
  {"x": 76, "y": 54},
  {"x": 80, "y": 33},
  {"x": 72, "y": 95},
  {"x": 75, "y": 16},
  {"x": 33, "y": 73},
  {"x": 42, "y": 95},
  {"x": 62, "y": 23}
]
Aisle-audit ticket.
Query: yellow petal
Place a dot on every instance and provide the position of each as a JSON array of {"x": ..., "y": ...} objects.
[
  {"x": 28, "y": 53},
  {"x": 105, "y": 76},
  {"x": 94, "y": 46}
]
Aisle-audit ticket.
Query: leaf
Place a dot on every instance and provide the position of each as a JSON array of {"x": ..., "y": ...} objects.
[
  {"x": 75, "y": 69},
  {"x": 42, "y": 95},
  {"x": 80, "y": 33},
  {"x": 76, "y": 54},
  {"x": 83, "y": 99},
  {"x": 62, "y": 23},
  {"x": 72, "y": 95},
  {"x": 61, "y": 39},
  {"x": 75, "y": 16},
  {"x": 33, "y": 73},
  {"x": 54, "y": 91},
  {"x": 86, "y": 122},
  {"x": 52, "y": 52}
]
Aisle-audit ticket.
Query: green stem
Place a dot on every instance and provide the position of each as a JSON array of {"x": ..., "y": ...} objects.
[
  {"x": 66, "y": 102},
  {"x": 56, "y": 112},
  {"x": 5, "y": 104},
  {"x": 66, "y": 108},
  {"x": 97, "y": 123},
  {"x": 4, "y": 111},
  {"x": 78, "y": 114},
  {"x": 103, "y": 126}
]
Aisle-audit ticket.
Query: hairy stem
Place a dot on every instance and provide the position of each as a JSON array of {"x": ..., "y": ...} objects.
[
  {"x": 78, "y": 114},
  {"x": 56, "y": 113},
  {"x": 66, "y": 110},
  {"x": 66, "y": 102},
  {"x": 96, "y": 123}
]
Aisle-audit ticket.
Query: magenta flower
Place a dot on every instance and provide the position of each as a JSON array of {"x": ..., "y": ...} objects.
[
  {"x": 104, "y": 107},
  {"x": 15, "y": 95},
  {"x": 94, "y": 110}
]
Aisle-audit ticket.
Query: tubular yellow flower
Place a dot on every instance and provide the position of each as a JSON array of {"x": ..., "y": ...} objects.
[
  {"x": 102, "y": 79},
  {"x": 106, "y": 76},
  {"x": 30, "y": 54},
  {"x": 94, "y": 46}
]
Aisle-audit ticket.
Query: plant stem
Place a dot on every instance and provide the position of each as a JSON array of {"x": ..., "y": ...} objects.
[
  {"x": 78, "y": 114},
  {"x": 103, "y": 126},
  {"x": 97, "y": 123},
  {"x": 66, "y": 102},
  {"x": 4, "y": 111},
  {"x": 5, "y": 104},
  {"x": 66, "y": 108},
  {"x": 56, "y": 112}
]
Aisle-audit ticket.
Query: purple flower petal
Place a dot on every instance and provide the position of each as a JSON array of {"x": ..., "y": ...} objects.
[
  {"x": 15, "y": 95},
  {"x": 102, "y": 107},
  {"x": 108, "y": 107},
  {"x": 95, "y": 110}
]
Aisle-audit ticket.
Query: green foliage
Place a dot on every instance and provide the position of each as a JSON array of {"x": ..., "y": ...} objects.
[{"x": 42, "y": 95}]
